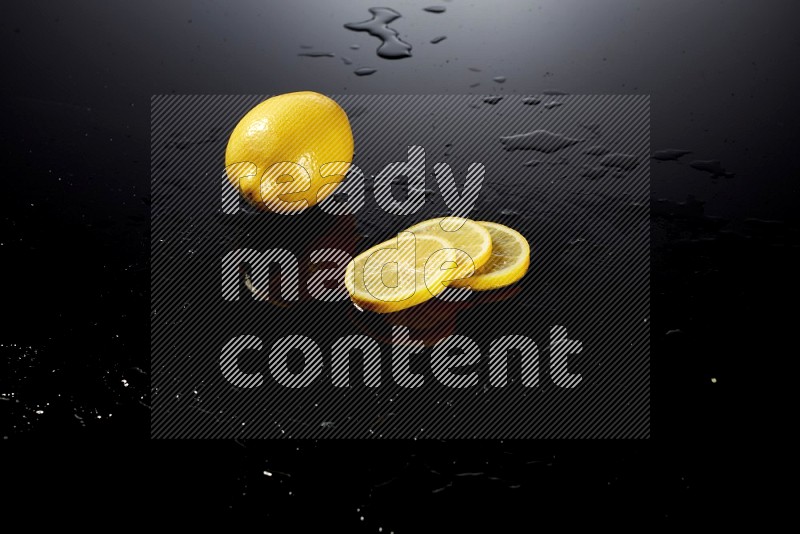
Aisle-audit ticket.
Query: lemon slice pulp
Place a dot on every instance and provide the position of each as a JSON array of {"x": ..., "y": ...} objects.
[
  {"x": 469, "y": 237},
  {"x": 400, "y": 273},
  {"x": 508, "y": 262}
]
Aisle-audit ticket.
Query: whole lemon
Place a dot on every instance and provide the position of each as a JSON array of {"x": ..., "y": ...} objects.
[{"x": 290, "y": 152}]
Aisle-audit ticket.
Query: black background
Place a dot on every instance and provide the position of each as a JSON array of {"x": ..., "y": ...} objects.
[{"x": 77, "y": 79}]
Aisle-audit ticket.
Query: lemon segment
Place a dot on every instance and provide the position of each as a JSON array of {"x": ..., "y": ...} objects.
[
  {"x": 471, "y": 241},
  {"x": 508, "y": 263},
  {"x": 276, "y": 151},
  {"x": 400, "y": 273}
]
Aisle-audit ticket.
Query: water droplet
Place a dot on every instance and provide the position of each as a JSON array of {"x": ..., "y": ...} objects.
[
  {"x": 619, "y": 161},
  {"x": 364, "y": 71},
  {"x": 596, "y": 151},
  {"x": 438, "y": 39},
  {"x": 317, "y": 54},
  {"x": 391, "y": 47},
  {"x": 670, "y": 154},
  {"x": 553, "y": 104},
  {"x": 712, "y": 166},
  {"x": 539, "y": 140},
  {"x": 492, "y": 99},
  {"x": 427, "y": 193},
  {"x": 435, "y": 9},
  {"x": 499, "y": 79},
  {"x": 354, "y": 47},
  {"x": 474, "y": 69},
  {"x": 347, "y": 60},
  {"x": 474, "y": 84},
  {"x": 531, "y": 101}
]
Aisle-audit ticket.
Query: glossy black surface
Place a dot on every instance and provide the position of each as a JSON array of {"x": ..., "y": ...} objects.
[{"x": 77, "y": 82}]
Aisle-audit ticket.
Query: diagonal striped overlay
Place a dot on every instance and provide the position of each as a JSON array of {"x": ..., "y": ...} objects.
[{"x": 227, "y": 359}]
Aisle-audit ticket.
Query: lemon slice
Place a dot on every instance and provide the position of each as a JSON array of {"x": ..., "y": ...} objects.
[
  {"x": 400, "y": 273},
  {"x": 469, "y": 237},
  {"x": 509, "y": 260}
]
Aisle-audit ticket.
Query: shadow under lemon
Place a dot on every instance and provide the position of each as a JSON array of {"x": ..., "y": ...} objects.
[{"x": 428, "y": 322}]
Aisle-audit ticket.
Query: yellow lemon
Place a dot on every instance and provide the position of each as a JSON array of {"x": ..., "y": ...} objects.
[
  {"x": 290, "y": 151},
  {"x": 509, "y": 261},
  {"x": 400, "y": 273},
  {"x": 470, "y": 238}
]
